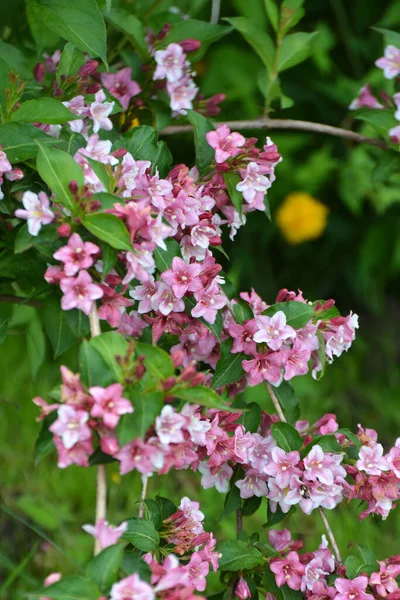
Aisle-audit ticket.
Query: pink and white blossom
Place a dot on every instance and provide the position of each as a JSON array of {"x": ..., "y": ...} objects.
[{"x": 36, "y": 210}]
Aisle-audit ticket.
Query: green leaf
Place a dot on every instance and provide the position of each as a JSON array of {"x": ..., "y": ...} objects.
[
  {"x": 215, "y": 328},
  {"x": 69, "y": 588},
  {"x": 204, "y": 152},
  {"x": 229, "y": 366},
  {"x": 154, "y": 512},
  {"x": 42, "y": 35},
  {"x": 286, "y": 436},
  {"x": 251, "y": 505},
  {"x": 157, "y": 362},
  {"x": 200, "y": 395},
  {"x": 19, "y": 141},
  {"x": 92, "y": 366},
  {"x": 352, "y": 564},
  {"x": 273, "y": 518},
  {"x": 15, "y": 59},
  {"x": 237, "y": 556},
  {"x": 147, "y": 407},
  {"x": 100, "y": 171},
  {"x": 291, "y": 13},
  {"x": 109, "y": 346},
  {"x": 242, "y": 312},
  {"x": 295, "y": 49},
  {"x": 103, "y": 569},
  {"x": 233, "y": 500},
  {"x": 132, "y": 28},
  {"x": 381, "y": 119},
  {"x": 57, "y": 328},
  {"x": 45, "y": 441},
  {"x": 391, "y": 37},
  {"x": 204, "y": 32},
  {"x": 3, "y": 329},
  {"x": 257, "y": 38},
  {"x": 167, "y": 507},
  {"x": 134, "y": 563},
  {"x": 388, "y": 163},
  {"x": 100, "y": 458},
  {"x": 58, "y": 169},
  {"x": 71, "y": 60},
  {"x": 142, "y": 534},
  {"x": 163, "y": 258},
  {"x": 251, "y": 419},
  {"x": 109, "y": 259},
  {"x": 231, "y": 180},
  {"x": 35, "y": 346},
  {"x": 288, "y": 401},
  {"x": 108, "y": 228},
  {"x": 141, "y": 142},
  {"x": 107, "y": 200},
  {"x": 327, "y": 443},
  {"x": 273, "y": 13},
  {"x": 78, "y": 322},
  {"x": 23, "y": 240},
  {"x": 78, "y": 21},
  {"x": 297, "y": 314},
  {"x": 43, "y": 110},
  {"x": 350, "y": 435}
]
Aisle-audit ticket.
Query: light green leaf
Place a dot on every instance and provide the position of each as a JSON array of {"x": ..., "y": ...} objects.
[
  {"x": 229, "y": 366},
  {"x": 297, "y": 313},
  {"x": 295, "y": 49},
  {"x": 157, "y": 362},
  {"x": 238, "y": 555},
  {"x": 132, "y": 28},
  {"x": 142, "y": 535},
  {"x": 58, "y": 169},
  {"x": 200, "y": 395},
  {"x": 204, "y": 152},
  {"x": 103, "y": 569},
  {"x": 71, "y": 60},
  {"x": 43, "y": 110},
  {"x": 147, "y": 407},
  {"x": 257, "y": 38},
  {"x": 286, "y": 436},
  {"x": 273, "y": 13},
  {"x": 108, "y": 228}
]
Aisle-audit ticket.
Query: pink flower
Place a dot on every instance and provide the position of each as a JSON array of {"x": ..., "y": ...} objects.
[
  {"x": 182, "y": 94},
  {"x": 5, "y": 165},
  {"x": 76, "y": 255},
  {"x": 121, "y": 85},
  {"x": 365, "y": 99},
  {"x": 296, "y": 360},
  {"x": 225, "y": 143},
  {"x": 99, "y": 112},
  {"x": 273, "y": 330},
  {"x": 71, "y": 426},
  {"x": 198, "y": 570},
  {"x": 109, "y": 404},
  {"x": 253, "y": 183},
  {"x": 78, "y": 107},
  {"x": 50, "y": 579},
  {"x": 165, "y": 300},
  {"x": 265, "y": 366},
  {"x": 112, "y": 305},
  {"x": 131, "y": 324},
  {"x": 288, "y": 571},
  {"x": 157, "y": 189},
  {"x": 77, "y": 455},
  {"x": 393, "y": 460},
  {"x": 37, "y": 211},
  {"x": 390, "y": 63},
  {"x": 79, "y": 292},
  {"x": 169, "y": 426},
  {"x": 252, "y": 485},
  {"x": 144, "y": 293},
  {"x": 242, "y": 590},
  {"x": 219, "y": 478},
  {"x": 385, "y": 580},
  {"x": 371, "y": 460},
  {"x": 105, "y": 534},
  {"x": 99, "y": 150},
  {"x": 132, "y": 588},
  {"x": 243, "y": 337},
  {"x": 323, "y": 467},
  {"x": 352, "y": 589},
  {"x": 209, "y": 301},
  {"x": 283, "y": 466},
  {"x": 141, "y": 456},
  {"x": 170, "y": 63},
  {"x": 182, "y": 277},
  {"x": 279, "y": 539}
]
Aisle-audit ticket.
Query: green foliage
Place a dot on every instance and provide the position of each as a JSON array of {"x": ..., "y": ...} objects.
[
  {"x": 238, "y": 555},
  {"x": 297, "y": 314},
  {"x": 142, "y": 534},
  {"x": 108, "y": 228}
]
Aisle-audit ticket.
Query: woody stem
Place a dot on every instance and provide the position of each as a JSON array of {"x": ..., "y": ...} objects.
[{"x": 145, "y": 481}]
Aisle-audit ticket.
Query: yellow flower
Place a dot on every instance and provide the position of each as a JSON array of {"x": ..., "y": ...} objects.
[{"x": 301, "y": 218}]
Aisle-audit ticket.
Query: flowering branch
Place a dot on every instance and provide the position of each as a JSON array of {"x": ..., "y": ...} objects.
[
  {"x": 329, "y": 531},
  {"x": 267, "y": 123}
]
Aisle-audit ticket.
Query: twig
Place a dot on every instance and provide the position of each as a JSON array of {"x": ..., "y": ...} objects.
[
  {"x": 239, "y": 521},
  {"x": 19, "y": 300},
  {"x": 215, "y": 8},
  {"x": 101, "y": 489},
  {"x": 291, "y": 124},
  {"x": 145, "y": 480},
  {"x": 329, "y": 531},
  {"x": 330, "y": 535}
]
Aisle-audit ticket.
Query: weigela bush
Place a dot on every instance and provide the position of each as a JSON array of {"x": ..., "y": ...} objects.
[{"x": 118, "y": 248}]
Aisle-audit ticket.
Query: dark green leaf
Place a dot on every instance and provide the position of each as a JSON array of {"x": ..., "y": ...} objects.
[
  {"x": 100, "y": 458},
  {"x": 71, "y": 60},
  {"x": 388, "y": 163},
  {"x": 215, "y": 328},
  {"x": 391, "y": 37},
  {"x": 132, "y": 28},
  {"x": 286, "y": 436},
  {"x": 273, "y": 518},
  {"x": 237, "y": 556},
  {"x": 154, "y": 512},
  {"x": 3, "y": 329},
  {"x": 147, "y": 407},
  {"x": 109, "y": 259},
  {"x": 103, "y": 569},
  {"x": 43, "y": 110},
  {"x": 242, "y": 312},
  {"x": 92, "y": 366},
  {"x": 58, "y": 169},
  {"x": 57, "y": 328},
  {"x": 142, "y": 534},
  {"x": 167, "y": 507},
  {"x": 134, "y": 563},
  {"x": 78, "y": 322},
  {"x": 251, "y": 419},
  {"x": 200, "y": 395},
  {"x": 251, "y": 505},
  {"x": 232, "y": 179},
  {"x": 297, "y": 314},
  {"x": 258, "y": 39},
  {"x": 294, "y": 49},
  {"x": 69, "y": 588},
  {"x": 141, "y": 142},
  {"x": 328, "y": 443},
  {"x": 381, "y": 120},
  {"x": 233, "y": 500},
  {"x": 350, "y": 435},
  {"x": 108, "y": 228},
  {"x": 163, "y": 258},
  {"x": 229, "y": 366},
  {"x": 157, "y": 361},
  {"x": 288, "y": 401},
  {"x": 44, "y": 443},
  {"x": 204, "y": 152},
  {"x": 100, "y": 171},
  {"x": 35, "y": 346},
  {"x": 204, "y": 32},
  {"x": 18, "y": 141}
]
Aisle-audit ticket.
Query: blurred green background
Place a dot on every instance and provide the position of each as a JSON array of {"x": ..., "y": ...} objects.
[{"x": 356, "y": 261}]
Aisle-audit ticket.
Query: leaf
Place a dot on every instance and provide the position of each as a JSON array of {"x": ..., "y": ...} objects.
[
  {"x": 237, "y": 556},
  {"x": 286, "y": 436},
  {"x": 78, "y": 322},
  {"x": 100, "y": 171},
  {"x": 157, "y": 361},
  {"x": 257, "y": 38},
  {"x": 45, "y": 442},
  {"x": 42, "y": 35},
  {"x": 327, "y": 443},
  {"x": 251, "y": 419},
  {"x": 231, "y": 180},
  {"x": 141, "y": 142},
  {"x": 92, "y": 366},
  {"x": 350, "y": 435},
  {"x": 352, "y": 564},
  {"x": 23, "y": 240},
  {"x": 167, "y": 507},
  {"x": 132, "y": 28},
  {"x": 108, "y": 228},
  {"x": 154, "y": 511},
  {"x": 297, "y": 314},
  {"x": 204, "y": 32},
  {"x": 43, "y": 110},
  {"x": 273, "y": 518},
  {"x": 215, "y": 328},
  {"x": 57, "y": 328},
  {"x": 295, "y": 49},
  {"x": 71, "y": 60},
  {"x": 391, "y": 37},
  {"x": 58, "y": 169},
  {"x": 291, "y": 13},
  {"x": 3, "y": 329},
  {"x": 200, "y": 395},
  {"x": 100, "y": 458},
  {"x": 78, "y": 21},
  {"x": 35, "y": 346},
  {"x": 273, "y": 13},
  {"x": 388, "y": 163},
  {"x": 251, "y": 505},
  {"x": 229, "y": 366},
  {"x": 15, "y": 59},
  {"x": 233, "y": 500},
  {"x": 109, "y": 346},
  {"x": 204, "y": 152},
  {"x": 242, "y": 312},
  {"x": 288, "y": 401},
  {"x": 18, "y": 141},
  {"x": 142, "y": 534},
  {"x": 109, "y": 259},
  {"x": 69, "y": 588},
  {"x": 103, "y": 569},
  {"x": 134, "y": 563},
  {"x": 107, "y": 200},
  {"x": 163, "y": 258},
  {"x": 147, "y": 407},
  {"x": 381, "y": 119}
]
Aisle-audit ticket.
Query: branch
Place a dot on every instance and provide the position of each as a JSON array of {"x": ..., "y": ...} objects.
[
  {"x": 145, "y": 480},
  {"x": 291, "y": 124},
  {"x": 19, "y": 300},
  {"x": 101, "y": 490},
  {"x": 215, "y": 8},
  {"x": 329, "y": 531}
]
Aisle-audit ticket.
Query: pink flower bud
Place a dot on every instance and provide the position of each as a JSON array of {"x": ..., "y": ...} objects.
[
  {"x": 88, "y": 68},
  {"x": 64, "y": 230},
  {"x": 109, "y": 445},
  {"x": 190, "y": 45},
  {"x": 73, "y": 187},
  {"x": 178, "y": 356},
  {"x": 242, "y": 590},
  {"x": 14, "y": 174},
  {"x": 164, "y": 31},
  {"x": 93, "y": 88},
  {"x": 119, "y": 153},
  {"x": 52, "y": 578},
  {"x": 39, "y": 72}
]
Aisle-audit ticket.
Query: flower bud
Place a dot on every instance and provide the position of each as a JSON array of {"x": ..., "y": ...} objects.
[
  {"x": 39, "y": 72},
  {"x": 178, "y": 356},
  {"x": 119, "y": 153},
  {"x": 73, "y": 187},
  {"x": 242, "y": 590},
  {"x": 190, "y": 45},
  {"x": 168, "y": 383},
  {"x": 88, "y": 68},
  {"x": 64, "y": 230},
  {"x": 93, "y": 88},
  {"x": 109, "y": 445}
]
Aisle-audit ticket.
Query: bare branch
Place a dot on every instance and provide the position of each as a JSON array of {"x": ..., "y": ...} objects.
[
  {"x": 19, "y": 300},
  {"x": 215, "y": 9}
]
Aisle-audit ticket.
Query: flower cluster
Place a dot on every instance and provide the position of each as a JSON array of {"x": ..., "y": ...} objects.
[{"x": 7, "y": 171}]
